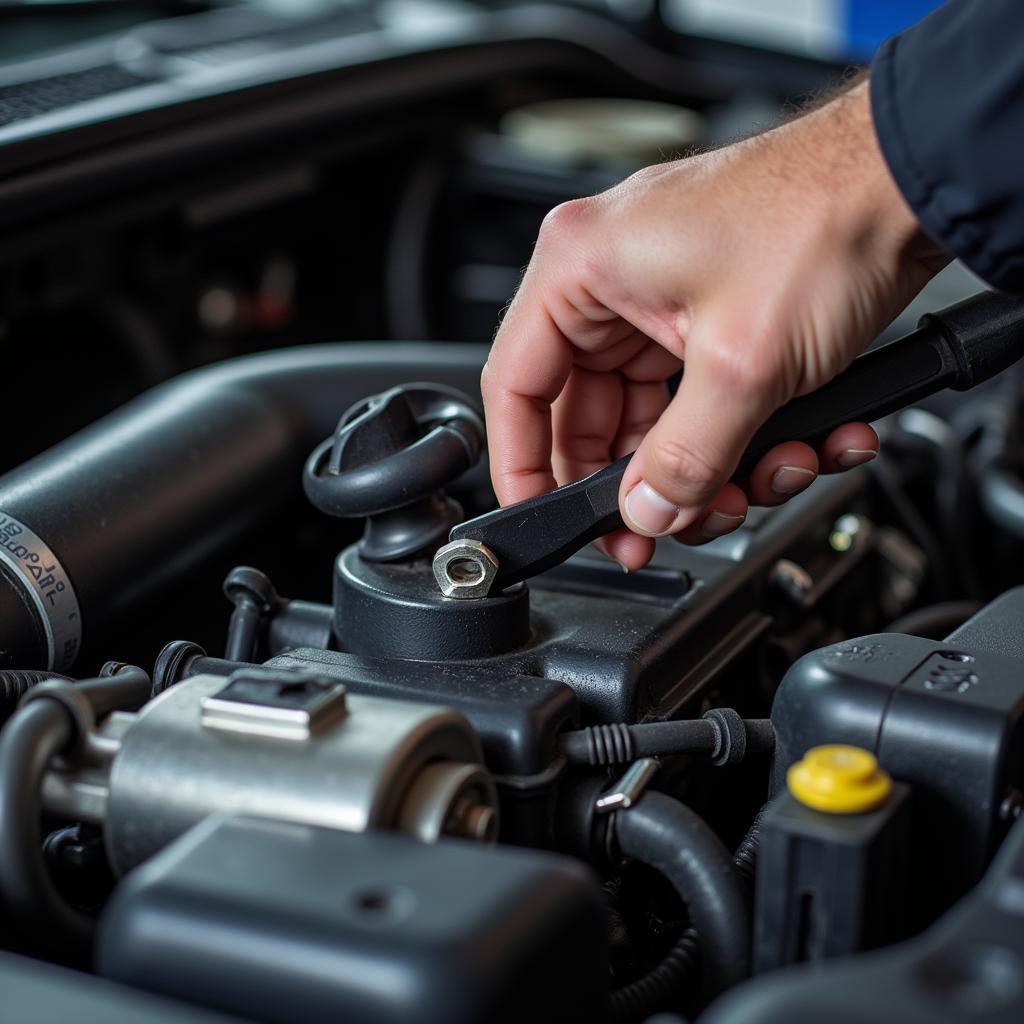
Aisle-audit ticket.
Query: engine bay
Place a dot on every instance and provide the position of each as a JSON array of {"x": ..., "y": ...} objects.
[{"x": 256, "y": 764}]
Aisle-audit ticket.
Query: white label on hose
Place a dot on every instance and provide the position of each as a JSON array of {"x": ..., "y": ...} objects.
[{"x": 49, "y": 587}]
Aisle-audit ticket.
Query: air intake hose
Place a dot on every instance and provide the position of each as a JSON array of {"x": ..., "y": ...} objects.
[{"x": 103, "y": 519}]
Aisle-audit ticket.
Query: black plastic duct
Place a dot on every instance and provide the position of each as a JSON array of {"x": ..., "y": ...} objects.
[{"x": 109, "y": 515}]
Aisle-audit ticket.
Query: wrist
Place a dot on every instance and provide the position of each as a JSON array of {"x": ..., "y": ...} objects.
[
  {"x": 848, "y": 186},
  {"x": 881, "y": 214}
]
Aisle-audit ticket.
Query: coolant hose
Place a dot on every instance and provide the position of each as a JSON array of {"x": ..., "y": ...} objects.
[
  {"x": 27, "y": 744},
  {"x": 669, "y": 837},
  {"x": 118, "y": 509},
  {"x": 38, "y": 732},
  {"x": 638, "y": 1000}
]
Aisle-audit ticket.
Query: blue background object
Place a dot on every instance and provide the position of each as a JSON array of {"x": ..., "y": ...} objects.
[{"x": 870, "y": 22}]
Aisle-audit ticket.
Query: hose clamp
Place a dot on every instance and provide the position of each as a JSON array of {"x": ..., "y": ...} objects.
[{"x": 48, "y": 586}]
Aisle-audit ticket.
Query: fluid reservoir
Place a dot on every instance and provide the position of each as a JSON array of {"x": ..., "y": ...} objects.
[{"x": 832, "y": 860}]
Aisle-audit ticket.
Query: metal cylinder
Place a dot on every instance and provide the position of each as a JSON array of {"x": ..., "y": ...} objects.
[{"x": 198, "y": 749}]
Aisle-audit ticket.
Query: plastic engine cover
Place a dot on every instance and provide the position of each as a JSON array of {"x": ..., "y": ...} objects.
[{"x": 261, "y": 918}]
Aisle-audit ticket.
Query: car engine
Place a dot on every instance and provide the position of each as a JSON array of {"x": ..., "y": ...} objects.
[{"x": 267, "y": 755}]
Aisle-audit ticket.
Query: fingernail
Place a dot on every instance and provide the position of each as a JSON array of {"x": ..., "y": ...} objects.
[
  {"x": 624, "y": 568},
  {"x": 855, "y": 456},
  {"x": 717, "y": 524},
  {"x": 791, "y": 479},
  {"x": 648, "y": 512}
]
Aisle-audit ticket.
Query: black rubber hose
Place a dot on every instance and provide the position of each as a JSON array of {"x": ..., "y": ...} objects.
[
  {"x": 668, "y": 979},
  {"x": 131, "y": 501},
  {"x": 16, "y": 682},
  {"x": 27, "y": 744},
  {"x": 669, "y": 837},
  {"x": 39, "y": 731},
  {"x": 119, "y": 688},
  {"x": 720, "y": 734},
  {"x": 639, "y": 999}
]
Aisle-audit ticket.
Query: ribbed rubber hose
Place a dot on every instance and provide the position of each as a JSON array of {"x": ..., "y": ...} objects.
[
  {"x": 16, "y": 682},
  {"x": 669, "y": 837},
  {"x": 639, "y": 999}
]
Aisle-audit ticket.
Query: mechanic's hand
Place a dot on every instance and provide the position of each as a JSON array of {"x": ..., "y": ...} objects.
[{"x": 766, "y": 267}]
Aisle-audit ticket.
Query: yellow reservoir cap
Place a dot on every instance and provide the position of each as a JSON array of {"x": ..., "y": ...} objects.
[{"x": 839, "y": 779}]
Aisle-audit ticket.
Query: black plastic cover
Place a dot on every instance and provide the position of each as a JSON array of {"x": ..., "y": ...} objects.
[
  {"x": 966, "y": 967},
  {"x": 517, "y": 718},
  {"x": 945, "y": 716},
  {"x": 262, "y": 918},
  {"x": 46, "y": 994}
]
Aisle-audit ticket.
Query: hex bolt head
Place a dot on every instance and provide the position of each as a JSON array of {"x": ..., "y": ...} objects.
[{"x": 465, "y": 569}]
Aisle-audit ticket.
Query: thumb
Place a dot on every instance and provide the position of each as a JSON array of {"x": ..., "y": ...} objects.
[{"x": 693, "y": 449}]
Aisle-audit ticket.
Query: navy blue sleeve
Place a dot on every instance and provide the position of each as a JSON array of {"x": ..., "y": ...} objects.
[{"x": 947, "y": 98}]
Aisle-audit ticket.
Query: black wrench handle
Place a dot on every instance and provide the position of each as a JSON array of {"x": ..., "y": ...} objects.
[{"x": 957, "y": 348}]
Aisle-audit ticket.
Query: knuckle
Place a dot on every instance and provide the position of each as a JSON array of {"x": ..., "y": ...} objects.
[
  {"x": 677, "y": 462},
  {"x": 562, "y": 221},
  {"x": 743, "y": 368}
]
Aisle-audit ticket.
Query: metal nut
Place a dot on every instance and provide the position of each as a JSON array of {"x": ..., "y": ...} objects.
[{"x": 465, "y": 569}]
